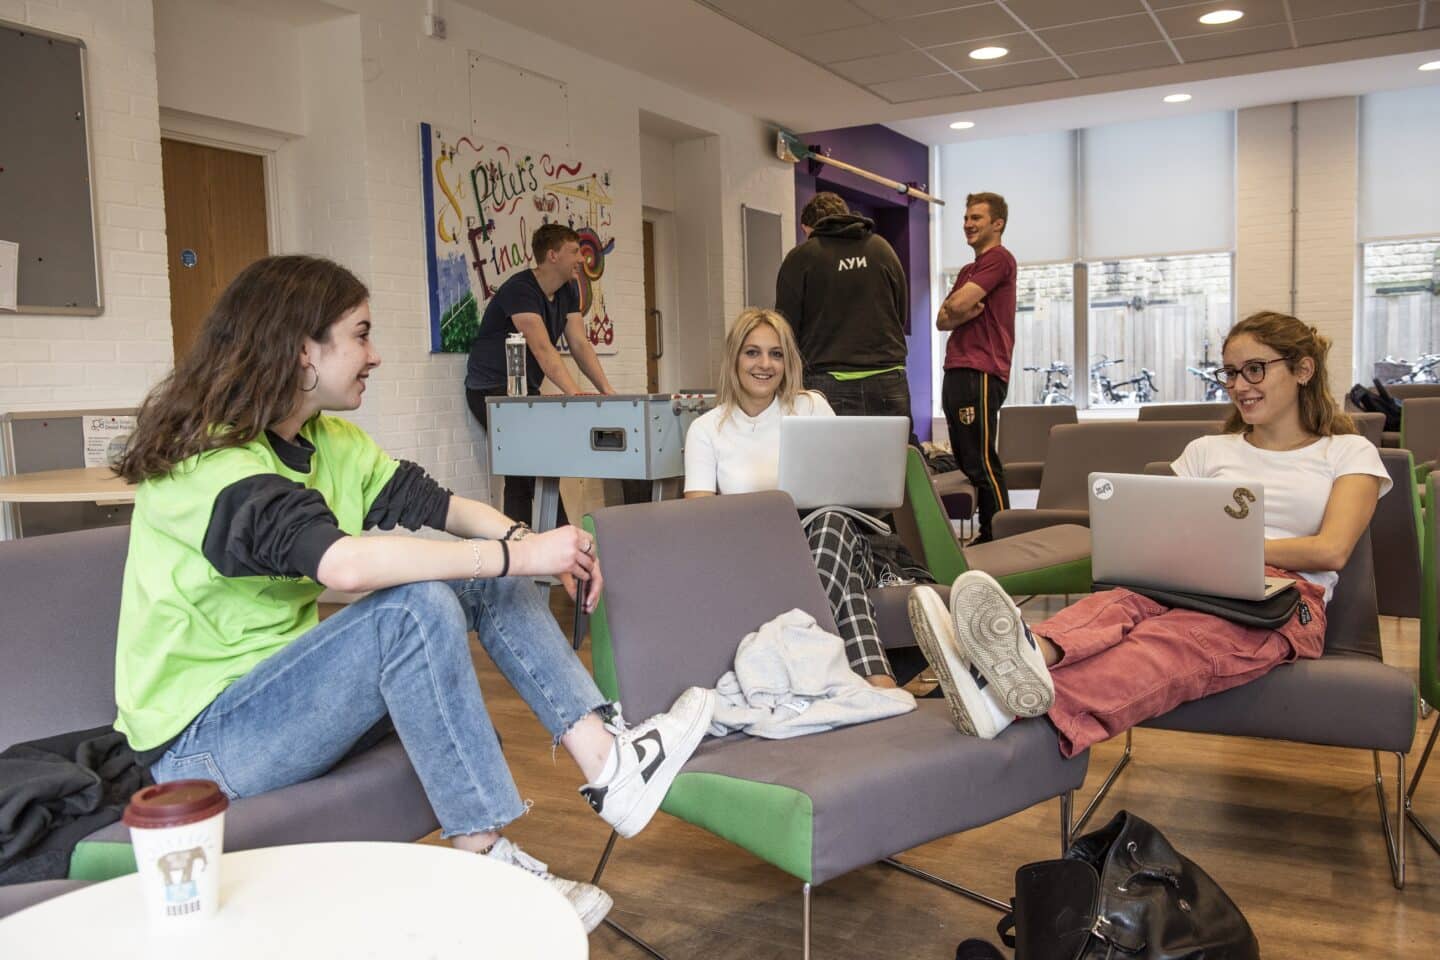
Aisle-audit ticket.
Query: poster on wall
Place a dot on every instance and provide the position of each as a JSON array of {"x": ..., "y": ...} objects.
[{"x": 483, "y": 200}]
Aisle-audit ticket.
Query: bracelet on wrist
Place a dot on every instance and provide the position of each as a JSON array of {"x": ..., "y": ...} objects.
[
  {"x": 518, "y": 531},
  {"x": 505, "y": 558},
  {"x": 475, "y": 552}
]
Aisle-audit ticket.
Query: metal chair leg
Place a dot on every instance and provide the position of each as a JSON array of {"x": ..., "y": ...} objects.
[
  {"x": 1104, "y": 787},
  {"x": 1394, "y": 837},
  {"x": 944, "y": 884},
  {"x": 1414, "y": 785},
  {"x": 599, "y": 869},
  {"x": 1067, "y": 804},
  {"x": 805, "y": 919}
]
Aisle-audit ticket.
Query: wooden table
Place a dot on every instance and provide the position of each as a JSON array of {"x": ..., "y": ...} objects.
[
  {"x": 321, "y": 900},
  {"x": 97, "y": 484}
]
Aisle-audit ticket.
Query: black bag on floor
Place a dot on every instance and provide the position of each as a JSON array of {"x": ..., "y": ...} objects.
[{"x": 1124, "y": 893}]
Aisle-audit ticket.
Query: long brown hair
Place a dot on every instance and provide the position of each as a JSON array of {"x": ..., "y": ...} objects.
[
  {"x": 1293, "y": 340},
  {"x": 243, "y": 373}
]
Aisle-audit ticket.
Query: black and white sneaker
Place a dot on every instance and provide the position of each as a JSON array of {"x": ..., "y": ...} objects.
[
  {"x": 994, "y": 638},
  {"x": 962, "y": 685},
  {"x": 649, "y": 756}
]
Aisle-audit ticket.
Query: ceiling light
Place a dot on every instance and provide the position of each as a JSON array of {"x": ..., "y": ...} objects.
[
  {"x": 1432, "y": 65},
  {"x": 988, "y": 53},
  {"x": 1216, "y": 17},
  {"x": 962, "y": 124},
  {"x": 1177, "y": 98}
]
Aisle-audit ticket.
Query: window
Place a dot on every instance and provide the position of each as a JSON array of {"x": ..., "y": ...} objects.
[
  {"x": 1401, "y": 310},
  {"x": 1154, "y": 322},
  {"x": 1044, "y": 334}
]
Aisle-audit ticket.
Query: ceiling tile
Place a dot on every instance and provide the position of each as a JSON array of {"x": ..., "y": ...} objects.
[
  {"x": 1308, "y": 9},
  {"x": 892, "y": 9},
  {"x": 1142, "y": 56},
  {"x": 895, "y": 66},
  {"x": 1053, "y": 13},
  {"x": 1235, "y": 44},
  {"x": 792, "y": 18},
  {"x": 1102, "y": 34},
  {"x": 953, "y": 26},
  {"x": 1370, "y": 23},
  {"x": 1018, "y": 74},
  {"x": 1185, "y": 21},
  {"x": 871, "y": 40},
  {"x": 1022, "y": 46},
  {"x": 924, "y": 88}
]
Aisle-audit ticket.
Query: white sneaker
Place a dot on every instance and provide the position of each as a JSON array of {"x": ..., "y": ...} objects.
[
  {"x": 993, "y": 637},
  {"x": 589, "y": 901},
  {"x": 649, "y": 757},
  {"x": 962, "y": 684}
]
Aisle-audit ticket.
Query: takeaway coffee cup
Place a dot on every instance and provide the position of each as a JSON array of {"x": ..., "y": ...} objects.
[{"x": 177, "y": 830}]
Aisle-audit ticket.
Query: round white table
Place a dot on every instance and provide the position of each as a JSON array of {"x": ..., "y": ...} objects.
[{"x": 321, "y": 900}]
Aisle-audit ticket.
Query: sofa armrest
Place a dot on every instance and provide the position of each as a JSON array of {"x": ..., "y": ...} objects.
[{"x": 1024, "y": 474}]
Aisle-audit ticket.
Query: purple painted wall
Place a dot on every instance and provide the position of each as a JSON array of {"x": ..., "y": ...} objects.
[{"x": 902, "y": 221}]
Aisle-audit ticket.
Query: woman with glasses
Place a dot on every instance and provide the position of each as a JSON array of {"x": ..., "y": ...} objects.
[{"x": 1117, "y": 658}]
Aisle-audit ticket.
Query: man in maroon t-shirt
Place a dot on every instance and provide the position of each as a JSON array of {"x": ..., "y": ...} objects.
[{"x": 980, "y": 313}]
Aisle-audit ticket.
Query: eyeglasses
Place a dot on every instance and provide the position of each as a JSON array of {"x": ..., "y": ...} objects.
[{"x": 1252, "y": 370}]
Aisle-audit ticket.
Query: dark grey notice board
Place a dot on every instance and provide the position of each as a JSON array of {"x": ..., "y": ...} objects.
[{"x": 46, "y": 201}]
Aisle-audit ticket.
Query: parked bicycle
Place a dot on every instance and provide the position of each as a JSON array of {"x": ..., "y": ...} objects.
[
  {"x": 1137, "y": 389},
  {"x": 1205, "y": 370},
  {"x": 1056, "y": 388},
  {"x": 1426, "y": 369}
]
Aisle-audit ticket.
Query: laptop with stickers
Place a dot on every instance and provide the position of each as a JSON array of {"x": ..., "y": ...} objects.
[{"x": 1187, "y": 534}]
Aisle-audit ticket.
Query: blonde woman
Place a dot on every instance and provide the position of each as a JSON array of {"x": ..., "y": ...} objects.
[{"x": 735, "y": 448}]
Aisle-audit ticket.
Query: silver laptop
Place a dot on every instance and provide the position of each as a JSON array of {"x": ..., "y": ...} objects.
[
  {"x": 844, "y": 461},
  {"x": 1180, "y": 533}
]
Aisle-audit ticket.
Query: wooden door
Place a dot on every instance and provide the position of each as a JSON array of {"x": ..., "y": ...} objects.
[
  {"x": 214, "y": 225},
  {"x": 654, "y": 343}
]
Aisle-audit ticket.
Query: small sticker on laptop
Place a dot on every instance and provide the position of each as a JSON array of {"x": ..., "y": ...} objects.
[{"x": 1103, "y": 489}]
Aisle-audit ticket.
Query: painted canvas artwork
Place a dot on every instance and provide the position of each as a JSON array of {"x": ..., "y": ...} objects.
[{"x": 482, "y": 202}]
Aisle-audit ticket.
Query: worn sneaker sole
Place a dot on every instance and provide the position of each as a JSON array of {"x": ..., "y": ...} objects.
[
  {"x": 590, "y": 903},
  {"x": 676, "y": 756},
  {"x": 928, "y": 617},
  {"x": 991, "y": 635}
]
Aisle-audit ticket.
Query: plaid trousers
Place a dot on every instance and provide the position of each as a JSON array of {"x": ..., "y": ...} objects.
[{"x": 848, "y": 568}]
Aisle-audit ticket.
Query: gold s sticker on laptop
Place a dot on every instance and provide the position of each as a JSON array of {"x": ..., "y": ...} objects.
[{"x": 1241, "y": 496}]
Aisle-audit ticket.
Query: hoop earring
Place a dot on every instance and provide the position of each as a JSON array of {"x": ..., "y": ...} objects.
[{"x": 311, "y": 388}]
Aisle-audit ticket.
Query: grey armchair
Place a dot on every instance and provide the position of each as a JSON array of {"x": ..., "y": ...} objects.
[{"x": 59, "y": 603}]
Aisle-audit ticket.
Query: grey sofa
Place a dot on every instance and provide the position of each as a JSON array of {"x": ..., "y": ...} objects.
[{"x": 59, "y": 604}]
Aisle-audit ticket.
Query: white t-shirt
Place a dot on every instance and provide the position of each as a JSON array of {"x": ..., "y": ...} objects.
[
  {"x": 1297, "y": 482},
  {"x": 739, "y": 453}
]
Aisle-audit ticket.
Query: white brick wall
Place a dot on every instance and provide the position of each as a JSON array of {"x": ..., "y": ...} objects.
[
  {"x": 61, "y": 362},
  {"x": 1326, "y": 249}
]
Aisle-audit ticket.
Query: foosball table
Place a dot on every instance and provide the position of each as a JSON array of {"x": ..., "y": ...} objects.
[{"x": 627, "y": 437}]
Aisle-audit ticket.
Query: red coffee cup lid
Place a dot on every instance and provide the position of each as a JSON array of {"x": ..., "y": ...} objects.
[{"x": 175, "y": 804}]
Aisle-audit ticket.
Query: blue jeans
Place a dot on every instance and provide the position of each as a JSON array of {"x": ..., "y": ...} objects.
[{"x": 402, "y": 652}]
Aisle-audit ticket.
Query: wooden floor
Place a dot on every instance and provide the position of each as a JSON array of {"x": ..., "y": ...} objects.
[{"x": 1291, "y": 833}]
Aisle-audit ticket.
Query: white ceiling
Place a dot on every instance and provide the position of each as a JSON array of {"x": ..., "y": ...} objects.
[{"x": 767, "y": 57}]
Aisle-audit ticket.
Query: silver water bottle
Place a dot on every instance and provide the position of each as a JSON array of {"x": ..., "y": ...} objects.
[{"x": 515, "y": 383}]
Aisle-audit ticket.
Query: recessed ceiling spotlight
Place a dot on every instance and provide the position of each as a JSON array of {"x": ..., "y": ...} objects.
[
  {"x": 962, "y": 124},
  {"x": 1432, "y": 65},
  {"x": 1177, "y": 98},
  {"x": 988, "y": 53},
  {"x": 1217, "y": 17}
]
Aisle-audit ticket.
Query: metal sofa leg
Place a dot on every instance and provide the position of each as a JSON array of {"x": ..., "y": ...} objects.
[
  {"x": 1104, "y": 787},
  {"x": 805, "y": 919},
  {"x": 1394, "y": 837},
  {"x": 1067, "y": 804},
  {"x": 944, "y": 884},
  {"x": 599, "y": 869},
  {"x": 1415, "y": 783}
]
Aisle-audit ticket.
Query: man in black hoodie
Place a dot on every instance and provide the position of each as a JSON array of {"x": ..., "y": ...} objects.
[{"x": 845, "y": 293}]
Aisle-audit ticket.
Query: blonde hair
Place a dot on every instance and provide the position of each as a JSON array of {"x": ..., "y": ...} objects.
[
  {"x": 1293, "y": 340},
  {"x": 792, "y": 376}
]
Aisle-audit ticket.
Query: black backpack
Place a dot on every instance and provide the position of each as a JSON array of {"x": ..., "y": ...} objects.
[{"x": 1378, "y": 400}]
